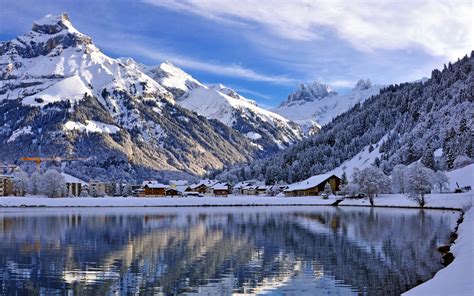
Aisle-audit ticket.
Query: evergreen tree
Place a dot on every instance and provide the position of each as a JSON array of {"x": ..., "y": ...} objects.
[{"x": 428, "y": 158}]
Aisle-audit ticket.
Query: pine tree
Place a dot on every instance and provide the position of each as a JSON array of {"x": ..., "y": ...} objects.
[
  {"x": 428, "y": 158},
  {"x": 344, "y": 180}
]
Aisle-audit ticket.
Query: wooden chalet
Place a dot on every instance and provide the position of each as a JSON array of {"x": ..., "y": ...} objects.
[
  {"x": 220, "y": 189},
  {"x": 172, "y": 192},
  {"x": 153, "y": 188},
  {"x": 313, "y": 185}
]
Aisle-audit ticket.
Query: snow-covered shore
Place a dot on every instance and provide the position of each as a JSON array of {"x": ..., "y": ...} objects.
[
  {"x": 456, "y": 278},
  {"x": 450, "y": 201}
]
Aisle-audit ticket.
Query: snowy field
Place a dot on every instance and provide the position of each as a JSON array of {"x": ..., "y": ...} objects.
[{"x": 452, "y": 201}]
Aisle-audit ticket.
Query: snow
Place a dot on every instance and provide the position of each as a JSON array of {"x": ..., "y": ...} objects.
[
  {"x": 456, "y": 278},
  {"x": 176, "y": 78},
  {"x": 463, "y": 176},
  {"x": 253, "y": 135},
  {"x": 19, "y": 132},
  {"x": 451, "y": 201},
  {"x": 71, "y": 179},
  {"x": 220, "y": 186},
  {"x": 436, "y": 200},
  {"x": 309, "y": 183},
  {"x": 72, "y": 88},
  {"x": 325, "y": 106},
  {"x": 154, "y": 184},
  {"x": 216, "y": 103},
  {"x": 92, "y": 127},
  {"x": 361, "y": 160}
]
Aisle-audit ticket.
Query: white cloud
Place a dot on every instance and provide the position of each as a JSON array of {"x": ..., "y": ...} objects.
[
  {"x": 439, "y": 27},
  {"x": 231, "y": 70}
]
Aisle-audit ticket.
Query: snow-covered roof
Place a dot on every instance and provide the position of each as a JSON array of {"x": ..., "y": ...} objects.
[
  {"x": 309, "y": 183},
  {"x": 154, "y": 184},
  {"x": 206, "y": 182},
  {"x": 182, "y": 188},
  {"x": 220, "y": 186},
  {"x": 178, "y": 182},
  {"x": 71, "y": 179}
]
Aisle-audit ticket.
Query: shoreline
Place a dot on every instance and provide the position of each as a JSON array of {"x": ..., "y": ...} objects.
[
  {"x": 456, "y": 202},
  {"x": 456, "y": 277},
  {"x": 231, "y": 205}
]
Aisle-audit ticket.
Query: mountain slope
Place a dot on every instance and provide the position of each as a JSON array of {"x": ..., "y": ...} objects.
[
  {"x": 268, "y": 131},
  {"x": 415, "y": 118},
  {"x": 316, "y": 104},
  {"x": 60, "y": 95}
]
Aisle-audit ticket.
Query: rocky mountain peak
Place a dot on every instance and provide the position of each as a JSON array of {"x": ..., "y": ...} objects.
[
  {"x": 309, "y": 93},
  {"x": 362, "y": 84},
  {"x": 52, "y": 24}
]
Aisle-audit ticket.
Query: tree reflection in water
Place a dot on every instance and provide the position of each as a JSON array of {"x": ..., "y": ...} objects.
[{"x": 300, "y": 250}]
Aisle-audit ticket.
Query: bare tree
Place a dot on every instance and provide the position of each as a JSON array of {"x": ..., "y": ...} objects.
[
  {"x": 420, "y": 183},
  {"x": 34, "y": 184},
  {"x": 53, "y": 184},
  {"x": 371, "y": 181},
  {"x": 20, "y": 183},
  {"x": 441, "y": 181}
]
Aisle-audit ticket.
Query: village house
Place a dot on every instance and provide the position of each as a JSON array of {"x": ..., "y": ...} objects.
[
  {"x": 249, "y": 190},
  {"x": 96, "y": 188},
  {"x": 74, "y": 185},
  {"x": 203, "y": 186},
  {"x": 153, "y": 188},
  {"x": 262, "y": 189},
  {"x": 172, "y": 192},
  {"x": 221, "y": 189},
  {"x": 313, "y": 185},
  {"x": 238, "y": 188},
  {"x": 6, "y": 185}
]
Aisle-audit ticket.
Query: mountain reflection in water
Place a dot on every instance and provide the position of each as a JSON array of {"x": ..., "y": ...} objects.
[{"x": 219, "y": 251}]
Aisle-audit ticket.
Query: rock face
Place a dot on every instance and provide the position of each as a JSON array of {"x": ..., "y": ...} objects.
[
  {"x": 61, "y": 96},
  {"x": 314, "y": 91},
  {"x": 267, "y": 131},
  {"x": 316, "y": 104}
]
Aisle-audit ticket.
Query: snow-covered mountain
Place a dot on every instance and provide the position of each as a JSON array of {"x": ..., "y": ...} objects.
[
  {"x": 267, "y": 130},
  {"x": 429, "y": 120},
  {"x": 314, "y": 105},
  {"x": 60, "y": 95}
]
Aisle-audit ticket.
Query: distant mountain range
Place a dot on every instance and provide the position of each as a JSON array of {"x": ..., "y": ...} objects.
[{"x": 61, "y": 96}]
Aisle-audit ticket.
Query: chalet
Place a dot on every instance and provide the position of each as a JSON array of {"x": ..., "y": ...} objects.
[
  {"x": 249, "y": 190},
  {"x": 262, "y": 189},
  {"x": 203, "y": 186},
  {"x": 221, "y": 189},
  {"x": 6, "y": 185},
  {"x": 238, "y": 188},
  {"x": 153, "y": 188},
  {"x": 172, "y": 192},
  {"x": 313, "y": 185}
]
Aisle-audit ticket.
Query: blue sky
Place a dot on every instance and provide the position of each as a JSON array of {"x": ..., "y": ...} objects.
[{"x": 264, "y": 49}]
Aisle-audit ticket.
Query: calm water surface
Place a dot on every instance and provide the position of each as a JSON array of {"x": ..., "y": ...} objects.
[{"x": 218, "y": 251}]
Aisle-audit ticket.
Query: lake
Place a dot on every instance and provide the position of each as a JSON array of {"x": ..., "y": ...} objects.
[{"x": 220, "y": 251}]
